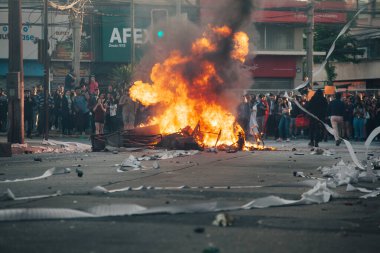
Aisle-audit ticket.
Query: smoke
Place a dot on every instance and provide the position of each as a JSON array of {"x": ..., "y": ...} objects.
[{"x": 236, "y": 14}]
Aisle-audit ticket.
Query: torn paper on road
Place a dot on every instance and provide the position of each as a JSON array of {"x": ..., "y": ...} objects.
[
  {"x": 69, "y": 147},
  {"x": 8, "y": 195},
  {"x": 371, "y": 195},
  {"x": 343, "y": 174},
  {"x": 372, "y": 136},
  {"x": 134, "y": 163},
  {"x": 48, "y": 173},
  {"x": 168, "y": 154},
  {"x": 130, "y": 162},
  {"x": 351, "y": 188},
  {"x": 319, "y": 194}
]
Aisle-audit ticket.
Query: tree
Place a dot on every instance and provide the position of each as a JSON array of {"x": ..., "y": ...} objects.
[
  {"x": 122, "y": 75},
  {"x": 346, "y": 47}
]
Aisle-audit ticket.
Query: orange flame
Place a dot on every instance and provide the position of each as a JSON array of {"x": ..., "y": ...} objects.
[{"x": 189, "y": 101}]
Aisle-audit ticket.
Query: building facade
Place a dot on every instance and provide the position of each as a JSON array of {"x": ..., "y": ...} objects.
[
  {"x": 365, "y": 73},
  {"x": 105, "y": 40}
]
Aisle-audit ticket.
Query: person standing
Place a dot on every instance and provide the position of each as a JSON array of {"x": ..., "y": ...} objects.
[
  {"x": 243, "y": 114},
  {"x": 99, "y": 112},
  {"x": 40, "y": 100},
  {"x": 70, "y": 81},
  {"x": 336, "y": 110},
  {"x": 3, "y": 111},
  {"x": 283, "y": 125},
  {"x": 93, "y": 86},
  {"x": 128, "y": 110},
  {"x": 260, "y": 117},
  {"x": 253, "y": 126},
  {"x": 28, "y": 113},
  {"x": 111, "y": 111},
  {"x": 92, "y": 101},
  {"x": 359, "y": 120},
  {"x": 67, "y": 113},
  {"x": 293, "y": 131},
  {"x": 81, "y": 110},
  {"x": 317, "y": 106},
  {"x": 348, "y": 118},
  {"x": 271, "y": 122}
]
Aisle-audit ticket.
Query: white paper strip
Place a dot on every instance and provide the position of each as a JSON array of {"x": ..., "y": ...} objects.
[
  {"x": 47, "y": 173},
  {"x": 372, "y": 136},
  {"x": 8, "y": 195}
]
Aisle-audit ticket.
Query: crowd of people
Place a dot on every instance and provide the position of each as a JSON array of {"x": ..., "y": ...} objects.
[
  {"x": 86, "y": 109},
  {"x": 352, "y": 116},
  {"x": 76, "y": 109}
]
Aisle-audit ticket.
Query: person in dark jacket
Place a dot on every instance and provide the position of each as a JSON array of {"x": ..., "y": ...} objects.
[
  {"x": 243, "y": 114},
  {"x": 3, "y": 111},
  {"x": 261, "y": 109},
  {"x": 336, "y": 110},
  {"x": 28, "y": 113},
  {"x": 317, "y": 106},
  {"x": 67, "y": 113}
]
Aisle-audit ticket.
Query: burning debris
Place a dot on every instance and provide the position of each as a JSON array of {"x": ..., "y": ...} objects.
[{"x": 190, "y": 90}]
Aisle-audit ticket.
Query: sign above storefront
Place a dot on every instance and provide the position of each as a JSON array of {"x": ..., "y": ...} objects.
[{"x": 274, "y": 66}]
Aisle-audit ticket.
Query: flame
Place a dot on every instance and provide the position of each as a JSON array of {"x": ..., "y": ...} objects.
[
  {"x": 241, "y": 49},
  {"x": 188, "y": 100}
]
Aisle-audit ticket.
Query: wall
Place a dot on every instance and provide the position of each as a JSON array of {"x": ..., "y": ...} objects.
[{"x": 351, "y": 71}]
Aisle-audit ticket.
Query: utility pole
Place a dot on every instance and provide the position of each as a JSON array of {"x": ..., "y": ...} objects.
[
  {"x": 133, "y": 51},
  {"x": 178, "y": 8},
  {"x": 46, "y": 60},
  {"x": 77, "y": 31},
  {"x": 310, "y": 41},
  {"x": 15, "y": 78}
]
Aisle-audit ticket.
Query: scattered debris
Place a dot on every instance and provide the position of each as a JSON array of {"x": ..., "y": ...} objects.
[
  {"x": 156, "y": 165},
  {"x": 135, "y": 163},
  {"x": 199, "y": 230},
  {"x": 212, "y": 150},
  {"x": 211, "y": 250},
  {"x": 343, "y": 174},
  {"x": 223, "y": 220},
  {"x": 79, "y": 172}
]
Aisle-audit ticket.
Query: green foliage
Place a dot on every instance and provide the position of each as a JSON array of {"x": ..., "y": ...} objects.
[
  {"x": 122, "y": 75},
  {"x": 345, "y": 47}
]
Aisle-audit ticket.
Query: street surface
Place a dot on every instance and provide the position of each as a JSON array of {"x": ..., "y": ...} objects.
[{"x": 346, "y": 224}]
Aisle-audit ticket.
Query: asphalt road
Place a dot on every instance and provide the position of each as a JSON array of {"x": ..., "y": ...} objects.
[{"x": 345, "y": 224}]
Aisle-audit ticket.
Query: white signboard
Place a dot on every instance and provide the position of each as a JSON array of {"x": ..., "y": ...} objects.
[{"x": 31, "y": 29}]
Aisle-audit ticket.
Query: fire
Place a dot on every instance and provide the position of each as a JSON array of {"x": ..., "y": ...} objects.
[
  {"x": 183, "y": 88},
  {"x": 240, "y": 51}
]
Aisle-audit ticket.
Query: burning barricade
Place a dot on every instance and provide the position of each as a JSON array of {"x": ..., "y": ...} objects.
[{"x": 191, "y": 93}]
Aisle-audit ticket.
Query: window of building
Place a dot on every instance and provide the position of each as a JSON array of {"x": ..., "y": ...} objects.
[
  {"x": 276, "y": 38},
  {"x": 374, "y": 49}
]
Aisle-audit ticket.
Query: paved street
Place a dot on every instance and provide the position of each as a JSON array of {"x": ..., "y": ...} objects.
[{"x": 345, "y": 224}]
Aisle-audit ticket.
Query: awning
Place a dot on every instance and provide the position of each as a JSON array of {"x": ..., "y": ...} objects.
[{"x": 31, "y": 68}]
